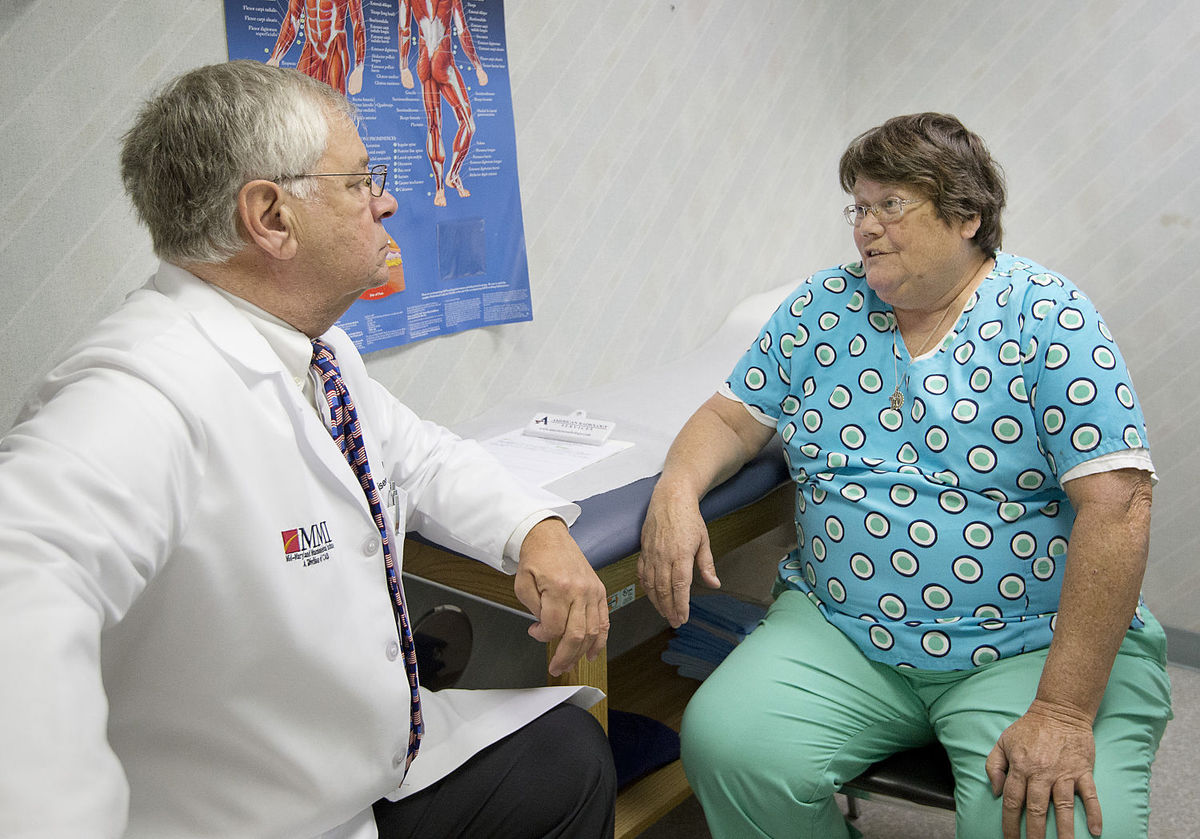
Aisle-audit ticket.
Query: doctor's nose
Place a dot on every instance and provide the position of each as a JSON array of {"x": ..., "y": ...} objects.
[{"x": 383, "y": 206}]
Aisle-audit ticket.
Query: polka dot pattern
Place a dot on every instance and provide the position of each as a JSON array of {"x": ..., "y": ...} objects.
[{"x": 935, "y": 536}]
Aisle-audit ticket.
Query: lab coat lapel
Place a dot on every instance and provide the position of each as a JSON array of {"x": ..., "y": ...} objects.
[{"x": 248, "y": 353}]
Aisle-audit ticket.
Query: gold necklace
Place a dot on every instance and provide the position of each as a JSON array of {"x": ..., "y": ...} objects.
[{"x": 897, "y": 398}]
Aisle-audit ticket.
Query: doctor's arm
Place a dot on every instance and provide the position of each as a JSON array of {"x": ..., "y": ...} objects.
[
  {"x": 1044, "y": 760},
  {"x": 460, "y": 497},
  {"x": 85, "y": 507},
  {"x": 711, "y": 447}
]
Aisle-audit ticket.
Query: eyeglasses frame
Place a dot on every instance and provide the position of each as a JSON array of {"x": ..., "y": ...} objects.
[
  {"x": 379, "y": 170},
  {"x": 850, "y": 211}
]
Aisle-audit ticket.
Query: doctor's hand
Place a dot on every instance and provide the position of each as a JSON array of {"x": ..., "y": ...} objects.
[
  {"x": 674, "y": 539},
  {"x": 1040, "y": 764},
  {"x": 560, "y": 589}
]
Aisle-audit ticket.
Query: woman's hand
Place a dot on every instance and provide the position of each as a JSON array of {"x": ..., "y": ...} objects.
[
  {"x": 674, "y": 539},
  {"x": 1045, "y": 760}
]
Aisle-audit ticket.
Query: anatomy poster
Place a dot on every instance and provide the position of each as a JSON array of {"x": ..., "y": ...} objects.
[{"x": 430, "y": 80}]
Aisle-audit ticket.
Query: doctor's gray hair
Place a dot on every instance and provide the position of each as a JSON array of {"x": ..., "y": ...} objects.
[{"x": 210, "y": 131}]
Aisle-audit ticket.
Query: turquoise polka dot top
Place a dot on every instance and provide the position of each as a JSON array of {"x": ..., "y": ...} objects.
[{"x": 934, "y": 536}]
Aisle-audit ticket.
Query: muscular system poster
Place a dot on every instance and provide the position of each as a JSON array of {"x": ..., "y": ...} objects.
[{"x": 430, "y": 80}]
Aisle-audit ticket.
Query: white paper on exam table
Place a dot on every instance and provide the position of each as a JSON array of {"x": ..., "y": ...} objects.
[
  {"x": 649, "y": 408},
  {"x": 541, "y": 461}
]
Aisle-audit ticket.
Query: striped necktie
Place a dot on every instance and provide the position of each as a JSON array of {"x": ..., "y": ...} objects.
[{"x": 347, "y": 433}]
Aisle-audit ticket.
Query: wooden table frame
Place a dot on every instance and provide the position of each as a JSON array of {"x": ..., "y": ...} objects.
[{"x": 640, "y": 804}]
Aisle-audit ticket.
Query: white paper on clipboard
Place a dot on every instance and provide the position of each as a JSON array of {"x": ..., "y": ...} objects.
[{"x": 540, "y": 461}]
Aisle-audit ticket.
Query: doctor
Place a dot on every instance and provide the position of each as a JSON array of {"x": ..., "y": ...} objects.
[{"x": 201, "y": 627}]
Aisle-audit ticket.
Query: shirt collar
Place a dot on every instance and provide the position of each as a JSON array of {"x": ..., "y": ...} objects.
[{"x": 291, "y": 345}]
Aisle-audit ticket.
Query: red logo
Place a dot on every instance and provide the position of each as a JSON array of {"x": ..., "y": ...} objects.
[
  {"x": 307, "y": 545},
  {"x": 291, "y": 541}
]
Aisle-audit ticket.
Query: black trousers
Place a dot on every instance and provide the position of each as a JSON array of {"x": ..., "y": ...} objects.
[{"x": 552, "y": 778}]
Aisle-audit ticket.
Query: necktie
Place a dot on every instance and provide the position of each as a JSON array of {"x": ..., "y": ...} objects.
[{"x": 347, "y": 433}]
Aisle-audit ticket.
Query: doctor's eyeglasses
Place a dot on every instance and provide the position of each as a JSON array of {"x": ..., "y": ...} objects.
[{"x": 375, "y": 179}]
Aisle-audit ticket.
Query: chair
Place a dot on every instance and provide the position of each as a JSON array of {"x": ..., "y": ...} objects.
[{"x": 919, "y": 776}]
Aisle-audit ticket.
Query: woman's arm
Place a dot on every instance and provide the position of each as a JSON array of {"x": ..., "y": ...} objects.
[
  {"x": 1045, "y": 759},
  {"x": 712, "y": 446}
]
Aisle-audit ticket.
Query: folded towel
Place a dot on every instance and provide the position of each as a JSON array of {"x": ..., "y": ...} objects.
[{"x": 639, "y": 745}]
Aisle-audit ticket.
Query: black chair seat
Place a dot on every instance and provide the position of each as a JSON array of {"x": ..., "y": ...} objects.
[{"x": 920, "y": 775}]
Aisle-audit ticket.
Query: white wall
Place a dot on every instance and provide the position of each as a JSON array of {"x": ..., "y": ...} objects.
[{"x": 675, "y": 157}]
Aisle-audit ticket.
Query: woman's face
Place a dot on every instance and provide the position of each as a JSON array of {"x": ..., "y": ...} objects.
[{"x": 919, "y": 261}]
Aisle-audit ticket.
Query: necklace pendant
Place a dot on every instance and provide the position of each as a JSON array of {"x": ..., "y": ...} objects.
[{"x": 897, "y": 399}]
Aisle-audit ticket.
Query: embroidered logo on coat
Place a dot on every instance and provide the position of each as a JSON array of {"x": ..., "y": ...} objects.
[{"x": 307, "y": 545}]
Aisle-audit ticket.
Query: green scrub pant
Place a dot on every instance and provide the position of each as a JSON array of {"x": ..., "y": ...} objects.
[{"x": 797, "y": 709}]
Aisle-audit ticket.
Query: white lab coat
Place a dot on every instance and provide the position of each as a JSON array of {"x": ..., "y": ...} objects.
[{"x": 165, "y": 659}]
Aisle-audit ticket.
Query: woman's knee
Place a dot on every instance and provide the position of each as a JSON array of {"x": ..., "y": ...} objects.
[
  {"x": 715, "y": 737},
  {"x": 728, "y": 750}
]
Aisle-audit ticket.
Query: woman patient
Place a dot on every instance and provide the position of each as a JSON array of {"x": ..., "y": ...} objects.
[{"x": 973, "y": 488}]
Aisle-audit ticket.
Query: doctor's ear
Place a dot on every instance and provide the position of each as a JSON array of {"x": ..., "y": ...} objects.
[{"x": 266, "y": 216}]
